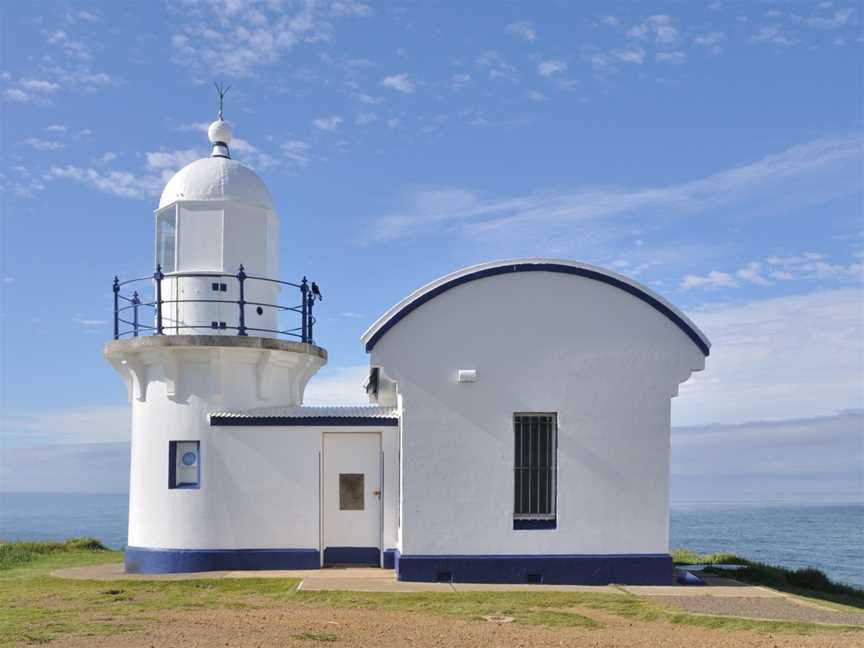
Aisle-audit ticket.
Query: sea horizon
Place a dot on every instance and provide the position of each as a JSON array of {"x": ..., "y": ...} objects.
[{"x": 792, "y": 534}]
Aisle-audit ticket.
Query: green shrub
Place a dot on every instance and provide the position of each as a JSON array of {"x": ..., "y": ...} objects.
[
  {"x": 689, "y": 557},
  {"x": 19, "y": 552}
]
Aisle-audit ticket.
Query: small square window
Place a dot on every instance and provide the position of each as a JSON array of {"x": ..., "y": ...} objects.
[
  {"x": 184, "y": 464},
  {"x": 351, "y": 492}
]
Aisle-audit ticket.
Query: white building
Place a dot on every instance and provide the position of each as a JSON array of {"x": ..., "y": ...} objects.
[{"x": 519, "y": 429}]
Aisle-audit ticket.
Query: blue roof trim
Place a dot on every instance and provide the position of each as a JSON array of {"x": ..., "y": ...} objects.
[
  {"x": 685, "y": 327},
  {"x": 303, "y": 421}
]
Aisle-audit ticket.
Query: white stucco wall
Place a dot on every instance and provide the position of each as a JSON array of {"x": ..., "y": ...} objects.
[
  {"x": 260, "y": 486},
  {"x": 605, "y": 361}
]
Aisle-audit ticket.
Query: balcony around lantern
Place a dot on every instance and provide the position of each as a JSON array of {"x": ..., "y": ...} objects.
[{"x": 213, "y": 303}]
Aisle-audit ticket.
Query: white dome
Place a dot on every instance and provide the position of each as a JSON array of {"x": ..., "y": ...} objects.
[{"x": 217, "y": 178}]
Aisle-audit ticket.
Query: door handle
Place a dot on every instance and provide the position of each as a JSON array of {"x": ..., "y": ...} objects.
[{"x": 376, "y": 493}]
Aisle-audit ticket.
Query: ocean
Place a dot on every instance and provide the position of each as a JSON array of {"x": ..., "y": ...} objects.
[{"x": 828, "y": 537}]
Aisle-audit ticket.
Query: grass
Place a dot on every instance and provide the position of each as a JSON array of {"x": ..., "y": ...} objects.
[
  {"x": 688, "y": 557},
  {"x": 807, "y": 582},
  {"x": 36, "y": 607},
  {"x": 20, "y": 552},
  {"x": 317, "y": 636}
]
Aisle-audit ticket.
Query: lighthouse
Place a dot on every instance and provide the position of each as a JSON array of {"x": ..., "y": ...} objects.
[
  {"x": 518, "y": 431},
  {"x": 211, "y": 328}
]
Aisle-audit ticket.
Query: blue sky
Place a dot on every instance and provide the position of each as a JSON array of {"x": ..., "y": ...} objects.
[{"x": 712, "y": 151}]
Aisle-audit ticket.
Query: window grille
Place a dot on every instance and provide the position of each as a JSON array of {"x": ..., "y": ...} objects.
[{"x": 534, "y": 466}]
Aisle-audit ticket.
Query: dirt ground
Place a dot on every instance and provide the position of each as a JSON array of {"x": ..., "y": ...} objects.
[{"x": 310, "y": 626}]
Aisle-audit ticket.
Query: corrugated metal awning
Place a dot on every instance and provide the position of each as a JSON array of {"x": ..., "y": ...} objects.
[{"x": 301, "y": 415}]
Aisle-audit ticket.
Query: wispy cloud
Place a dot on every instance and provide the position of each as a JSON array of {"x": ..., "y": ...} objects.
[
  {"x": 673, "y": 58},
  {"x": 775, "y": 35},
  {"x": 89, "y": 322},
  {"x": 523, "y": 29},
  {"x": 71, "y": 47},
  {"x": 124, "y": 184},
  {"x": 815, "y": 171},
  {"x": 608, "y": 61},
  {"x": 834, "y": 19},
  {"x": 810, "y": 265},
  {"x": 399, "y": 82},
  {"x": 251, "y": 155},
  {"x": 297, "y": 151},
  {"x": 171, "y": 160},
  {"x": 365, "y": 119},
  {"x": 712, "y": 41},
  {"x": 331, "y": 123},
  {"x": 234, "y": 38},
  {"x": 551, "y": 67},
  {"x": 43, "y": 145},
  {"x": 497, "y": 66},
  {"x": 142, "y": 183},
  {"x": 660, "y": 28},
  {"x": 714, "y": 279},
  {"x": 362, "y": 97},
  {"x": 22, "y": 182},
  {"x": 341, "y": 8},
  {"x": 37, "y": 91},
  {"x": 759, "y": 349},
  {"x": 459, "y": 81}
]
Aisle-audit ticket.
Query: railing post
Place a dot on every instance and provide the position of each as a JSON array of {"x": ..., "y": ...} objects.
[
  {"x": 304, "y": 326},
  {"x": 241, "y": 277},
  {"x": 311, "y": 320},
  {"x": 116, "y": 288},
  {"x": 135, "y": 302},
  {"x": 158, "y": 276}
]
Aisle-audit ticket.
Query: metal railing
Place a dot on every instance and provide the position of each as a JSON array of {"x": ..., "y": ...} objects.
[{"x": 128, "y": 307}]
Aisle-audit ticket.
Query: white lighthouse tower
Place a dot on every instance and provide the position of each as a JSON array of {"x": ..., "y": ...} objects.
[{"x": 218, "y": 332}]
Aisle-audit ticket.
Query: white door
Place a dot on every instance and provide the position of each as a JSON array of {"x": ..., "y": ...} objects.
[{"x": 351, "y": 489}]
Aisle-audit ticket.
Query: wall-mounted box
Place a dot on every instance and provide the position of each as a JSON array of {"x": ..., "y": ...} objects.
[{"x": 466, "y": 375}]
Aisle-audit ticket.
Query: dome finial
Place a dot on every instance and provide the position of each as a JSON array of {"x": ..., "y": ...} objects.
[
  {"x": 220, "y": 131},
  {"x": 222, "y": 90}
]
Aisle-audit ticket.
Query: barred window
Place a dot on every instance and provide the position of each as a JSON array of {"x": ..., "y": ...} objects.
[{"x": 535, "y": 458}]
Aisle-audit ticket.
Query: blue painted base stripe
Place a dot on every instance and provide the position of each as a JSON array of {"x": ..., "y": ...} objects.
[
  {"x": 625, "y": 569},
  {"x": 140, "y": 560},
  {"x": 528, "y": 525},
  {"x": 352, "y": 556},
  {"x": 389, "y": 558}
]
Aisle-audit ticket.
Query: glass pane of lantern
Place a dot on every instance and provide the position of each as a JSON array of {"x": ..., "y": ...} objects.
[{"x": 166, "y": 239}]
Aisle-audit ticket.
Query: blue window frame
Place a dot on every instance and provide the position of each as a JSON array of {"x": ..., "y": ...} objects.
[{"x": 184, "y": 464}]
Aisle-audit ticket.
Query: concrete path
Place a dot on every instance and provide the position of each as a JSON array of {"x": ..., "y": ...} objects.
[
  {"x": 371, "y": 579},
  {"x": 352, "y": 579}
]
